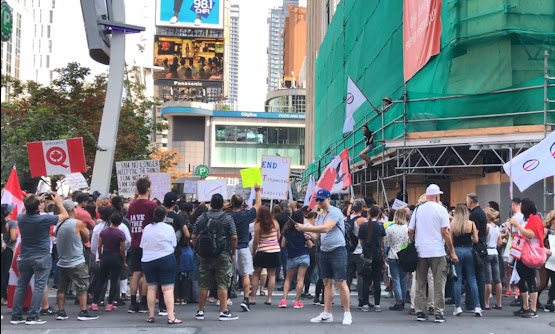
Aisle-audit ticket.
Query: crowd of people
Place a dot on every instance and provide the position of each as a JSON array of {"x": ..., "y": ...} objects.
[{"x": 145, "y": 252}]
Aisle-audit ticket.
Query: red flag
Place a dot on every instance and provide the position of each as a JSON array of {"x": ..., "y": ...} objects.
[
  {"x": 56, "y": 157},
  {"x": 13, "y": 194},
  {"x": 336, "y": 178},
  {"x": 14, "y": 275}
]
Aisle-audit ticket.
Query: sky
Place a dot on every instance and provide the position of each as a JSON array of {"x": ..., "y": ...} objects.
[{"x": 70, "y": 45}]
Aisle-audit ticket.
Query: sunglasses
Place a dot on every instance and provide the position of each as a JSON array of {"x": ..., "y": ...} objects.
[{"x": 320, "y": 200}]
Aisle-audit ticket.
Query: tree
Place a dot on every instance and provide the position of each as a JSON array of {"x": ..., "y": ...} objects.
[
  {"x": 169, "y": 161},
  {"x": 71, "y": 107}
]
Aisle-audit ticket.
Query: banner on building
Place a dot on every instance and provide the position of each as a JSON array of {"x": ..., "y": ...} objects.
[
  {"x": 205, "y": 189},
  {"x": 128, "y": 172},
  {"x": 56, "y": 157},
  {"x": 421, "y": 34},
  {"x": 275, "y": 175},
  {"x": 160, "y": 185},
  {"x": 199, "y": 14}
]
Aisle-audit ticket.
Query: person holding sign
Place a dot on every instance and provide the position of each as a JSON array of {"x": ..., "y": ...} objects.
[{"x": 251, "y": 177}]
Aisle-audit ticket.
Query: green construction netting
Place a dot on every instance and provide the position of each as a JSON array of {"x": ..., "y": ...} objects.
[{"x": 486, "y": 46}]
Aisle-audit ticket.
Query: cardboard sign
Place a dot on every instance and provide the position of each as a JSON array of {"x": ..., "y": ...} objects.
[
  {"x": 160, "y": 185},
  {"x": 76, "y": 181},
  {"x": 205, "y": 189},
  {"x": 275, "y": 175},
  {"x": 250, "y": 176},
  {"x": 129, "y": 172},
  {"x": 190, "y": 187},
  {"x": 242, "y": 191},
  {"x": 398, "y": 204}
]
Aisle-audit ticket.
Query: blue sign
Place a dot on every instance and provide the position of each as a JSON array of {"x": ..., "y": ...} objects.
[
  {"x": 233, "y": 114},
  {"x": 202, "y": 14}
]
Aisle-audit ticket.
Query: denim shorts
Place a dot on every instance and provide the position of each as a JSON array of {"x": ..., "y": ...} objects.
[
  {"x": 333, "y": 265},
  {"x": 160, "y": 271},
  {"x": 299, "y": 261}
]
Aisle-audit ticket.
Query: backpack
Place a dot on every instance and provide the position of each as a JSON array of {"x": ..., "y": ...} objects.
[
  {"x": 351, "y": 239},
  {"x": 212, "y": 237}
]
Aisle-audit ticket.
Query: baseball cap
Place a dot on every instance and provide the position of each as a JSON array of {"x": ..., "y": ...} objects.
[
  {"x": 170, "y": 198},
  {"x": 8, "y": 207},
  {"x": 433, "y": 189},
  {"x": 322, "y": 194},
  {"x": 96, "y": 193},
  {"x": 69, "y": 204}
]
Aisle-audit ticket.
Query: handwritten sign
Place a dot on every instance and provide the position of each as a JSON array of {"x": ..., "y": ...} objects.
[
  {"x": 275, "y": 175},
  {"x": 250, "y": 176},
  {"x": 190, "y": 187},
  {"x": 160, "y": 185},
  {"x": 129, "y": 172},
  {"x": 205, "y": 189},
  {"x": 242, "y": 191},
  {"x": 398, "y": 204},
  {"x": 76, "y": 181}
]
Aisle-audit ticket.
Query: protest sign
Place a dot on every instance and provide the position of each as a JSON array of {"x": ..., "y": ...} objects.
[
  {"x": 242, "y": 191},
  {"x": 129, "y": 172},
  {"x": 398, "y": 204},
  {"x": 76, "y": 181},
  {"x": 230, "y": 192},
  {"x": 550, "y": 264},
  {"x": 190, "y": 187},
  {"x": 205, "y": 189},
  {"x": 250, "y": 176},
  {"x": 160, "y": 185},
  {"x": 275, "y": 175}
]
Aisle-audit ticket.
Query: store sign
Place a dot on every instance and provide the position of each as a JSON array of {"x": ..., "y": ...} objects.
[
  {"x": 200, "y": 14},
  {"x": 202, "y": 171},
  {"x": 7, "y": 22}
]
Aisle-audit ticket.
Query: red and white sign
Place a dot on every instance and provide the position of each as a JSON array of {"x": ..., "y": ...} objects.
[
  {"x": 421, "y": 34},
  {"x": 336, "y": 178},
  {"x": 56, "y": 157},
  {"x": 13, "y": 195}
]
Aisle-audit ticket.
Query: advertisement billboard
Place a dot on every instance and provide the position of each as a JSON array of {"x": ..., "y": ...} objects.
[
  {"x": 203, "y": 14},
  {"x": 189, "y": 59}
]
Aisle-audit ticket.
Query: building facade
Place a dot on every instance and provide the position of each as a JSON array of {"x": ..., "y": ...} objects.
[
  {"x": 294, "y": 45},
  {"x": 233, "y": 96}
]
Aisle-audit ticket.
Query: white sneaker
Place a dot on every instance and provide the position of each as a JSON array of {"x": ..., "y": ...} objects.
[
  {"x": 173, "y": 20},
  {"x": 229, "y": 302},
  {"x": 322, "y": 318},
  {"x": 347, "y": 318},
  {"x": 377, "y": 308},
  {"x": 478, "y": 311},
  {"x": 458, "y": 311}
]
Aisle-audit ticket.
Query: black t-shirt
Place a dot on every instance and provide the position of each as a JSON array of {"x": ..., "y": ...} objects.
[
  {"x": 242, "y": 221},
  {"x": 478, "y": 216},
  {"x": 177, "y": 221},
  {"x": 282, "y": 219},
  {"x": 374, "y": 245}
]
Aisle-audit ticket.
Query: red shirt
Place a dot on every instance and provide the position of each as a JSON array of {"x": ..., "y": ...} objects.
[
  {"x": 84, "y": 216},
  {"x": 139, "y": 215},
  {"x": 535, "y": 224}
]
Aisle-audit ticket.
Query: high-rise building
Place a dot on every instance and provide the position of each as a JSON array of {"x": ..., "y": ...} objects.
[
  {"x": 43, "y": 13},
  {"x": 234, "y": 58},
  {"x": 294, "y": 46},
  {"x": 276, "y": 23}
]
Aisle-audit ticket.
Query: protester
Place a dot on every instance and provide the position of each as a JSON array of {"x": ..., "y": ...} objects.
[
  {"x": 465, "y": 234},
  {"x": 297, "y": 244},
  {"x": 34, "y": 258},
  {"x": 119, "y": 205},
  {"x": 491, "y": 267},
  {"x": 243, "y": 259},
  {"x": 9, "y": 240},
  {"x": 215, "y": 227},
  {"x": 478, "y": 216},
  {"x": 139, "y": 214},
  {"x": 396, "y": 236},
  {"x": 534, "y": 232},
  {"x": 354, "y": 258},
  {"x": 333, "y": 257},
  {"x": 310, "y": 219},
  {"x": 512, "y": 274},
  {"x": 368, "y": 146},
  {"x": 429, "y": 229},
  {"x": 81, "y": 214}
]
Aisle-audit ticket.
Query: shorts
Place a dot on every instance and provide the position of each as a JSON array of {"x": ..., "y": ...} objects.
[
  {"x": 333, "y": 264},
  {"x": 135, "y": 256},
  {"x": 267, "y": 260},
  {"x": 491, "y": 270},
  {"x": 161, "y": 271},
  {"x": 243, "y": 262},
  {"x": 299, "y": 261},
  {"x": 78, "y": 275},
  {"x": 215, "y": 270}
]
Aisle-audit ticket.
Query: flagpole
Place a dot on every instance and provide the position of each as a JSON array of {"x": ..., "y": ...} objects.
[
  {"x": 360, "y": 90},
  {"x": 511, "y": 172}
]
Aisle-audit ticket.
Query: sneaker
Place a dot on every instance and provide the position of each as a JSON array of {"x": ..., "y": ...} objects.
[
  {"x": 519, "y": 312},
  {"x": 397, "y": 307},
  {"x": 412, "y": 311},
  {"x": 458, "y": 311},
  {"x": 162, "y": 312},
  {"x": 143, "y": 308},
  {"x": 48, "y": 311},
  {"x": 119, "y": 302},
  {"x": 478, "y": 311},
  {"x": 93, "y": 307},
  {"x": 347, "y": 318},
  {"x": 306, "y": 296},
  {"x": 421, "y": 316},
  {"x": 533, "y": 314},
  {"x": 226, "y": 316},
  {"x": 316, "y": 302},
  {"x": 85, "y": 315},
  {"x": 17, "y": 320},
  {"x": 61, "y": 315},
  {"x": 549, "y": 308},
  {"x": 508, "y": 293},
  {"x": 245, "y": 305},
  {"x": 377, "y": 308},
  {"x": 133, "y": 308},
  {"x": 282, "y": 304},
  {"x": 34, "y": 321},
  {"x": 229, "y": 302},
  {"x": 361, "y": 304},
  {"x": 110, "y": 308},
  {"x": 322, "y": 318},
  {"x": 298, "y": 305},
  {"x": 526, "y": 314},
  {"x": 199, "y": 315},
  {"x": 365, "y": 308},
  {"x": 439, "y": 318}
]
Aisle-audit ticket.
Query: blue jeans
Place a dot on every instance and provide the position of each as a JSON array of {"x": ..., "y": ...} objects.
[
  {"x": 333, "y": 265},
  {"x": 40, "y": 267},
  {"x": 399, "y": 278},
  {"x": 466, "y": 261}
]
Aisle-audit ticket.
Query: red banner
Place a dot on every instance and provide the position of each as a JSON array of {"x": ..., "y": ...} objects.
[{"x": 421, "y": 34}]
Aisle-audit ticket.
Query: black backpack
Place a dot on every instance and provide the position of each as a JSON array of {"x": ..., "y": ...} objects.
[
  {"x": 211, "y": 240},
  {"x": 351, "y": 239}
]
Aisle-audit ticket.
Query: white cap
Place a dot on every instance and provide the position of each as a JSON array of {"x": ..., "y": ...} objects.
[{"x": 433, "y": 189}]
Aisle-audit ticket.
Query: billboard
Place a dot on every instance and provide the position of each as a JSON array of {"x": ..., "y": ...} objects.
[
  {"x": 189, "y": 59},
  {"x": 203, "y": 14}
]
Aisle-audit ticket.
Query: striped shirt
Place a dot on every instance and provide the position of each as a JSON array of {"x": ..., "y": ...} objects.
[{"x": 269, "y": 242}]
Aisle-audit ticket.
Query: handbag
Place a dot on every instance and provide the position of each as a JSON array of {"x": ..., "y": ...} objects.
[
  {"x": 532, "y": 256},
  {"x": 516, "y": 246},
  {"x": 408, "y": 255}
]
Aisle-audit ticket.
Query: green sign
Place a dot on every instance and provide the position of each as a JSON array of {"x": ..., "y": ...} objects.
[
  {"x": 202, "y": 171},
  {"x": 7, "y": 22}
]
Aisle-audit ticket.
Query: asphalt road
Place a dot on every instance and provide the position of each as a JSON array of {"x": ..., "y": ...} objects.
[{"x": 270, "y": 319}]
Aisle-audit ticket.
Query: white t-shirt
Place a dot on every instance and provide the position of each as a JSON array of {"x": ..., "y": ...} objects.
[
  {"x": 427, "y": 221},
  {"x": 158, "y": 240},
  {"x": 356, "y": 228},
  {"x": 491, "y": 239}
]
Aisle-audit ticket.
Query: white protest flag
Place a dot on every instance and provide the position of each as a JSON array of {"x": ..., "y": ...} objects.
[
  {"x": 534, "y": 164},
  {"x": 309, "y": 191},
  {"x": 354, "y": 99}
]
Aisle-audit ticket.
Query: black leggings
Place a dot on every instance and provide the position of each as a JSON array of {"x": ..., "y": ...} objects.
[
  {"x": 308, "y": 275},
  {"x": 527, "y": 275},
  {"x": 375, "y": 276},
  {"x": 7, "y": 257},
  {"x": 111, "y": 264}
]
